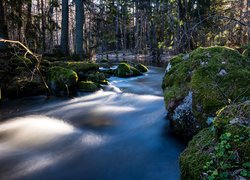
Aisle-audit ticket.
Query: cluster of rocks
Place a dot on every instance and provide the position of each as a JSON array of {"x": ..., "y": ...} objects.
[{"x": 63, "y": 77}]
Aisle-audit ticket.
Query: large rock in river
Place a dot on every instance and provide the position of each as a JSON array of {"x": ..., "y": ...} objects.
[
  {"x": 124, "y": 70},
  {"x": 196, "y": 85},
  {"x": 62, "y": 81}
]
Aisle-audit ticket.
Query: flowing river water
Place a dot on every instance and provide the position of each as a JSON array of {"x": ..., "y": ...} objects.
[{"x": 118, "y": 133}]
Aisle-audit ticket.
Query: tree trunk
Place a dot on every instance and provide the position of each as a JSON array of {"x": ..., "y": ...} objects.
[
  {"x": 3, "y": 27},
  {"x": 65, "y": 28},
  {"x": 43, "y": 26},
  {"x": 79, "y": 28}
]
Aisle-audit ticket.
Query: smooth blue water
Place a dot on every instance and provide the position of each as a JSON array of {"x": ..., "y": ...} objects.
[{"x": 119, "y": 133}]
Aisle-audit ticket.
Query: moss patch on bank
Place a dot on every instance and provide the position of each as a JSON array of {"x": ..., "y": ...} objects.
[{"x": 221, "y": 151}]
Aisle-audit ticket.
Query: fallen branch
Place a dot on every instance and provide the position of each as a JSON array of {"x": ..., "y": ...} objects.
[{"x": 28, "y": 51}]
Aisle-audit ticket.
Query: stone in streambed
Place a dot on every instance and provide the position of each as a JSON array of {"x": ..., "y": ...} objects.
[
  {"x": 88, "y": 86},
  {"x": 124, "y": 70},
  {"x": 62, "y": 81}
]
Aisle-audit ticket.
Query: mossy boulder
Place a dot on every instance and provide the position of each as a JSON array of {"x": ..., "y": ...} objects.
[
  {"x": 209, "y": 78},
  {"x": 141, "y": 68},
  {"x": 81, "y": 68},
  {"x": 88, "y": 86},
  {"x": 62, "y": 81},
  {"x": 104, "y": 61},
  {"x": 77, "y": 66},
  {"x": 221, "y": 151},
  {"x": 20, "y": 61},
  {"x": 124, "y": 70},
  {"x": 24, "y": 87},
  {"x": 97, "y": 77}
]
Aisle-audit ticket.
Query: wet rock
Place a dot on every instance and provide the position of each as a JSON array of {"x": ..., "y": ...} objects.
[
  {"x": 222, "y": 72},
  {"x": 182, "y": 118},
  {"x": 24, "y": 87},
  {"x": 125, "y": 70},
  {"x": 141, "y": 68},
  {"x": 168, "y": 67},
  {"x": 62, "y": 81},
  {"x": 186, "y": 57},
  {"x": 88, "y": 86}
]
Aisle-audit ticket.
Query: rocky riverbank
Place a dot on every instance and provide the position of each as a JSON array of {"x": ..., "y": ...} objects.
[
  {"x": 207, "y": 92},
  {"x": 64, "y": 76}
]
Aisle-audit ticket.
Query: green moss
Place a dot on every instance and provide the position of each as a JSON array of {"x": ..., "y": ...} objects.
[
  {"x": 222, "y": 151},
  {"x": 96, "y": 77},
  {"x": 195, "y": 156},
  {"x": 174, "y": 93},
  {"x": 125, "y": 70},
  {"x": 20, "y": 61},
  {"x": 45, "y": 63},
  {"x": 24, "y": 87},
  {"x": 78, "y": 66},
  {"x": 238, "y": 112},
  {"x": 176, "y": 59},
  {"x": 62, "y": 81},
  {"x": 246, "y": 51},
  {"x": 200, "y": 73},
  {"x": 88, "y": 86},
  {"x": 104, "y": 61},
  {"x": 141, "y": 68}
]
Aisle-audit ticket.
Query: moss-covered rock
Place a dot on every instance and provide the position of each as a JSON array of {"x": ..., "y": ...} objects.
[
  {"x": 125, "y": 70},
  {"x": 221, "y": 151},
  {"x": 104, "y": 61},
  {"x": 20, "y": 61},
  {"x": 83, "y": 69},
  {"x": 62, "y": 81},
  {"x": 97, "y": 77},
  {"x": 214, "y": 76},
  {"x": 88, "y": 86},
  {"x": 23, "y": 87},
  {"x": 141, "y": 68},
  {"x": 77, "y": 66}
]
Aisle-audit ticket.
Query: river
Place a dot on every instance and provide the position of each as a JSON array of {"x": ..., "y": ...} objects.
[{"x": 117, "y": 133}]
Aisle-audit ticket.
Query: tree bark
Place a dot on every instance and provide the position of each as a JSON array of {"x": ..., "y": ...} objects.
[
  {"x": 79, "y": 28},
  {"x": 65, "y": 28},
  {"x": 3, "y": 27}
]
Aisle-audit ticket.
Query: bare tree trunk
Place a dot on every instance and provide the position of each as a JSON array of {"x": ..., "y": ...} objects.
[
  {"x": 3, "y": 27},
  {"x": 43, "y": 26},
  {"x": 79, "y": 28},
  {"x": 65, "y": 28}
]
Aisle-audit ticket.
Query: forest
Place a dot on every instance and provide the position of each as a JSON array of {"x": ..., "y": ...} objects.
[{"x": 125, "y": 89}]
